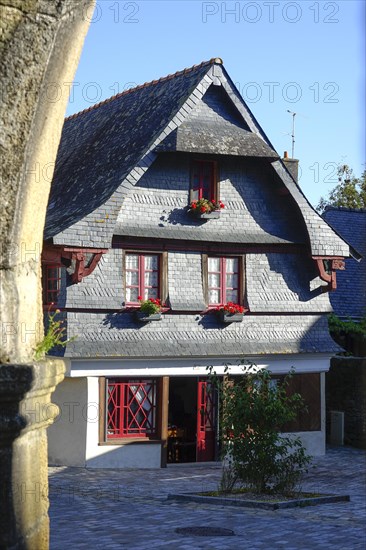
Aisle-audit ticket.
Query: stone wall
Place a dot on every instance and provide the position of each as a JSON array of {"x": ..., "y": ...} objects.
[
  {"x": 346, "y": 392},
  {"x": 40, "y": 46}
]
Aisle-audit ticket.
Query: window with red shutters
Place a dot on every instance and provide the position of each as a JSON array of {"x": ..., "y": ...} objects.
[
  {"x": 223, "y": 280},
  {"x": 142, "y": 277},
  {"x": 51, "y": 284},
  {"x": 131, "y": 408},
  {"x": 203, "y": 180}
]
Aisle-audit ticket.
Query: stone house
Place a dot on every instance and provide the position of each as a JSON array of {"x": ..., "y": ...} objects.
[{"x": 118, "y": 227}]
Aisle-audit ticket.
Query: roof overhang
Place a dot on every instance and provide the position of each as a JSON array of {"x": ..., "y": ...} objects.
[{"x": 211, "y": 138}]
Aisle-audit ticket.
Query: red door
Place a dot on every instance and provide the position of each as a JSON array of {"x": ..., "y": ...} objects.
[{"x": 206, "y": 425}]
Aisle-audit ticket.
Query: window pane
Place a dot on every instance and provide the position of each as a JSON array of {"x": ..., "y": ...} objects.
[
  {"x": 206, "y": 180},
  {"x": 151, "y": 293},
  {"x": 151, "y": 278},
  {"x": 194, "y": 195},
  {"x": 231, "y": 280},
  {"x": 232, "y": 264},
  {"x": 52, "y": 273},
  {"x": 232, "y": 296},
  {"x": 132, "y": 278},
  {"x": 151, "y": 262},
  {"x": 53, "y": 284},
  {"x": 214, "y": 296},
  {"x": 132, "y": 261},
  {"x": 214, "y": 264},
  {"x": 132, "y": 294},
  {"x": 214, "y": 280}
]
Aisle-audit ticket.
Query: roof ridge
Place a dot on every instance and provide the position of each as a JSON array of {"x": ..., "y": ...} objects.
[{"x": 212, "y": 61}]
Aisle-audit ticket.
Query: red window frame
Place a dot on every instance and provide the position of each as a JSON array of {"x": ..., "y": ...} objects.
[
  {"x": 131, "y": 408},
  {"x": 223, "y": 288},
  {"x": 141, "y": 269},
  {"x": 50, "y": 295},
  {"x": 201, "y": 171}
]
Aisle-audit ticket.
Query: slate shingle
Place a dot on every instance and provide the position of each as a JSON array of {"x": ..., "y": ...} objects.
[{"x": 349, "y": 300}]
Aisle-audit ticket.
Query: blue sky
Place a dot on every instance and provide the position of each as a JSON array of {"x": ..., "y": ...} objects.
[{"x": 304, "y": 56}]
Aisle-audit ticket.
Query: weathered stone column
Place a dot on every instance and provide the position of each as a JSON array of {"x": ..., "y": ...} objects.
[
  {"x": 25, "y": 414},
  {"x": 40, "y": 46}
]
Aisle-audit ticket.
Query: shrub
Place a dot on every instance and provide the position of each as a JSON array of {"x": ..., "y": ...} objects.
[{"x": 253, "y": 410}]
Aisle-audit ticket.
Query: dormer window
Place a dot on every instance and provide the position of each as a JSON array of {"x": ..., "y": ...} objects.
[{"x": 204, "y": 180}]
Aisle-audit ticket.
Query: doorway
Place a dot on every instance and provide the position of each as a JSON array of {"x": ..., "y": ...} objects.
[{"x": 192, "y": 420}]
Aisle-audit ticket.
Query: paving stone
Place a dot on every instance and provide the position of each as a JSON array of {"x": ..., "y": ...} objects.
[{"x": 128, "y": 509}]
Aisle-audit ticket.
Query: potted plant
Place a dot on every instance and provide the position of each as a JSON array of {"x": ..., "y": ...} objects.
[
  {"x": 150, "y": 310},
  {"x": 206, "y": 209},
  {"x": 231, "y": 313}
]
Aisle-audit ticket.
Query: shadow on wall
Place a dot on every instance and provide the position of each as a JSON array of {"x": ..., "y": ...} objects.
[
  {"x": 266, "y": 199},
  {"x": 298, "y": 272},
  {"x": 317, "y": 339}
]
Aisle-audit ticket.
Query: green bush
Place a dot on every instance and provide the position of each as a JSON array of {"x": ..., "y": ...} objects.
[
  {"x": 337, "y": 326},
  {"x": 253, "y": 410}
]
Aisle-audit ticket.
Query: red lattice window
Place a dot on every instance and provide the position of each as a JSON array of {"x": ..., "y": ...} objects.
[
  {"x": 223, "y": 280},
  {"x": 131, "y": 408},
  {"x": 142, "y": 277},
  {"x": 51, "y": 284},
  {"x": 203, "y": 180}
]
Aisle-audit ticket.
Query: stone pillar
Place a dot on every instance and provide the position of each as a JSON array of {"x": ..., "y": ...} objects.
[
  {"x": 25, "y": 413},
  {"x": 40, "y": 46}
]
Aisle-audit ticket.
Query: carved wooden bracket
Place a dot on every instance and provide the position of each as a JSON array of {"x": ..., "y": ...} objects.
[
  {"x": 327, "y": 267},
  {"x": 83, "y": 260}
]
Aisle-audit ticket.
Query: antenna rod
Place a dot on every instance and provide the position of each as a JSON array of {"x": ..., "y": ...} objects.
[{"x": 293, "y": 132}]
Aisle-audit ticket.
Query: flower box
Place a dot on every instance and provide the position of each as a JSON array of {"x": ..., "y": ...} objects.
[
  {"x": 205, "y": 209},
  {"x": 144, "y": 317},
  {"x": 209, "y": 215},
  {"x": 226, "y": 317},
  {"x": 230, "y": 313}
]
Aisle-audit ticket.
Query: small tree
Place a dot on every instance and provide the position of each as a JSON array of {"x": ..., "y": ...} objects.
[
  {"x": 350, "y": 192},
  {"x": 253, "y": 410}
]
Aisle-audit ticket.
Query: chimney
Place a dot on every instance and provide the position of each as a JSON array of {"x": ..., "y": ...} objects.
[{"x": 292, "y": 166}]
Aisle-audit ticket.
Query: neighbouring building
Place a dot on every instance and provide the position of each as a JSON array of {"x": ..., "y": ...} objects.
[
  {"x": 119, "y": 227},
  {"x": 350, "y": 299}
]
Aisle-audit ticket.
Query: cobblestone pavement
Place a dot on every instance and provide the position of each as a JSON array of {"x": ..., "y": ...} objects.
[{"x": 127, "y": 509}]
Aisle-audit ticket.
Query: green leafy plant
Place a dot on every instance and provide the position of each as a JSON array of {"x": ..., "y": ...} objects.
[
  {"x": 348, "y": 326},
  {"x": 205, "y": 206},
  {"x": 150, "y": 306},
  {"x": 349, "y": 334},
  {"x": 253, "y": 410},
  {"x": 54, "y": 336}
]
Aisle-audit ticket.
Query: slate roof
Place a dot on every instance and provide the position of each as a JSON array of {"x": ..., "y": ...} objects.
[
  {"x": 99, "y": 146},
  {"x": 349, "y": 300},
  {"x": 105, "y": 150},
  {"x": 183, "y": 335}
]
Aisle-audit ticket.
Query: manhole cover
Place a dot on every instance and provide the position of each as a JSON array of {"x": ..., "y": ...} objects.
[{"x": 205, "y": 531}]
